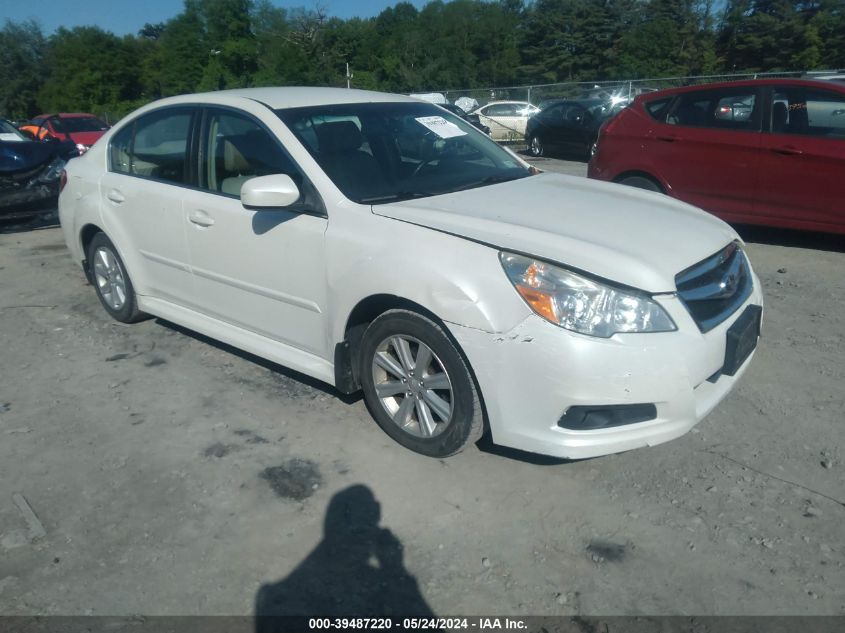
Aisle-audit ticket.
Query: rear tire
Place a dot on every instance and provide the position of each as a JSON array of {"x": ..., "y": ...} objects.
[
  {"x": 111, "y": 281},
  {"x": 417, "y": 385},
  {"x": 535, "y": 146},
  {"x": 641, "y": 182}
]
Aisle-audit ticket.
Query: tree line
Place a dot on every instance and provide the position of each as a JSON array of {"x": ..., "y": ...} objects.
[{"x": 218, "y": 44}]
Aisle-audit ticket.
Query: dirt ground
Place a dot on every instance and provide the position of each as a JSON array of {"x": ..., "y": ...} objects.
[{"x": 147, "y": 470}]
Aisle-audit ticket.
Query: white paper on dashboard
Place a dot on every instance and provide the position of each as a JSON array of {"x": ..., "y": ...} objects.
[{"x": 440, "y": 126}]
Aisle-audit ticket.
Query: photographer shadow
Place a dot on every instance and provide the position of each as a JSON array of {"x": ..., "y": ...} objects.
[{"x": 355, "y": 571}]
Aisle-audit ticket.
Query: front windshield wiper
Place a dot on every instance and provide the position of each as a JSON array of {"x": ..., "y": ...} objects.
[
  {"x": 490, "y": 180},
  {"x": 397, "y": 196}
]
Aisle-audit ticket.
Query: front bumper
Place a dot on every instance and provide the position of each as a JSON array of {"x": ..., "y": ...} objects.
[
  {"x": 530, "y": 376},
  {"x": 22, "y": 203},
  {"x": 27, "y": 194}
]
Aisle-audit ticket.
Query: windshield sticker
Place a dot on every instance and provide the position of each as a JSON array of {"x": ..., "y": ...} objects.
[
  {"x": 9, "y": 136},
  {"x": 440, "y": 126}
]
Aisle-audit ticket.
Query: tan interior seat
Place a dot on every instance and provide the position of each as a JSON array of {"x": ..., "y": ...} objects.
[{"x": 237, "y": 167}]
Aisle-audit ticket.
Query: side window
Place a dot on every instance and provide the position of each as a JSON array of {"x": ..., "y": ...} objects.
[
  {"x": 575, "y": 114},
  {"x": 238, "y": 149},
  {"x": 808, "y": 112},
  {"x": 161, "y": 146},
  {"x": 658, "y": 109},
  {"x": 731, "y": 109},
  {"x": 501, "y": 109},
  {"x": 56, "y": 125},
  {"x": 554, "y": 113},
  {"x": 158, "y": 149},
  {"x": 120, "y": 150}
]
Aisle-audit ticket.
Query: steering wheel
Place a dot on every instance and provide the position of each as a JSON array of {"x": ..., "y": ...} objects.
[
  {"x": 422, "y": 164},
  {"x": 431, "y": 138}
]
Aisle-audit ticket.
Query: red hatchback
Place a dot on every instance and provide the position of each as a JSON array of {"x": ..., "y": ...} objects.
[
  {"x": 760, "y": 152},
  {"x": 80, "y": 127}
]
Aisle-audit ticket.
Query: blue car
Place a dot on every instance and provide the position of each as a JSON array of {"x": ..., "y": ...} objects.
[{"x": 29, "y": 172}]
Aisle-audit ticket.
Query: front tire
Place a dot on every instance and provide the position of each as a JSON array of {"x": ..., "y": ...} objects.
[
  {"x": 417, "y": 385},
  {"x": 111, "y": 281}
]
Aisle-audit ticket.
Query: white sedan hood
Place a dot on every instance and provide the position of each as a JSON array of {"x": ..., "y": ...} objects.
[{"x": 622, "y": 234}]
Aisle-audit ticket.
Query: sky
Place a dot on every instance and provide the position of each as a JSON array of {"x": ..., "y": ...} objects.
[{"x": 127, "y": 16}]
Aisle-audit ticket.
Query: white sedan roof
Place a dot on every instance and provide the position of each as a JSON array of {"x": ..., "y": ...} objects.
[{"x": 295, "y": 97}]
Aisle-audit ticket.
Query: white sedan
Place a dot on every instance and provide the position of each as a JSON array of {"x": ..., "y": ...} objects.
[
  {"x": 506, "y": 119},
  {"x": 377, "y": 242}
]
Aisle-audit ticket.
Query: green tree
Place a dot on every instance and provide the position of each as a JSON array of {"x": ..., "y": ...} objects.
[
  {"x": 90, "y": 69},
  {"x": 566, "y": 40},
  {"x": 770, "y": 35},
  {"x": 666, "y": 38},
  {"x": 22, "y": 49}
]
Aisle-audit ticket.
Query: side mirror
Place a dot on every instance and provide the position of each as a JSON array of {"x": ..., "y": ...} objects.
[{"x": 264, "y": 192}]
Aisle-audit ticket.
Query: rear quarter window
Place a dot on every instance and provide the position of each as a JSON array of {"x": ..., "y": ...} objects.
[{"x": 658, "y": 109}]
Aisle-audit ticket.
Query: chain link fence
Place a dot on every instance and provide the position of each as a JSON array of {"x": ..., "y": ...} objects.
[
  {"x": 615, "y": 92},
  {"x": 621, "y": 89}
]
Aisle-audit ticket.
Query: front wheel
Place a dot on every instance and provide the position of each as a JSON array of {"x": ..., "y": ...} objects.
[
  {"x": 112, "y": 283},
  {"x": 535, "y": 146},
  {"x": 418, "y": 386}
]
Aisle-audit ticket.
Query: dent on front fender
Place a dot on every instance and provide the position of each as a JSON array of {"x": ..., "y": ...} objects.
[{"x": 459, "y": 281}]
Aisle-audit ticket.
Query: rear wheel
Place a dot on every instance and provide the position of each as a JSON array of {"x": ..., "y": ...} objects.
[
  {"x": 641, "y": 182},
  {"x": 112, "y": 283},
  {"x": 418, "y": 386}
]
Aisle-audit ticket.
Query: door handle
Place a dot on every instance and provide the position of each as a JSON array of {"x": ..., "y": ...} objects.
[
  {"x": 667, "y": 139},
  {"x": 788, "y": 150},
  {"x": 115, "y": 196},
  {"x": 200, "y": 218}
]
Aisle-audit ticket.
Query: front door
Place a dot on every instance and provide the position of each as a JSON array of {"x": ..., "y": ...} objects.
[{"x": 263, "y": 271}]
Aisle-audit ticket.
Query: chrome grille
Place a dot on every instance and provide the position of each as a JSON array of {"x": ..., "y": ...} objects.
[{"x": 716, "y": 287}]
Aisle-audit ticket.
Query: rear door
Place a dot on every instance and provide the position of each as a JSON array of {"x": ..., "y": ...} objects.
[
  {"x": 802, "y": 165},
  {"x": 141, "y": 200},
  {"x": 707, "y": 150},
  {"x": 503, "y": 120}
]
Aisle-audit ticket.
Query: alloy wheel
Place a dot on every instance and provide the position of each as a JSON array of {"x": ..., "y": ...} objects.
[
  {"x": 413, "y": 386},
  {"x": 108, "y": 275}
]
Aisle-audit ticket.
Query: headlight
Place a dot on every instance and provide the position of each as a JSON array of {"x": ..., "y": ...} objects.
[
  {"x": 82, "y": 148},
  {"x": 53, "y": 171},
  {"x": 581, "y": 304}
]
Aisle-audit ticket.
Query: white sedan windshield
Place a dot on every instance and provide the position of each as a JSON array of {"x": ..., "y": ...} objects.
[{"x": 384, "y": 152}]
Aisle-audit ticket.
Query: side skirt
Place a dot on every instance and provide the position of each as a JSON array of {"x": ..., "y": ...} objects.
[{"x": 251, "y": 342}]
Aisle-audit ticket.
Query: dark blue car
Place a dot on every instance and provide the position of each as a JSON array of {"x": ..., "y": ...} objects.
[{"x": 29, "y": 172}]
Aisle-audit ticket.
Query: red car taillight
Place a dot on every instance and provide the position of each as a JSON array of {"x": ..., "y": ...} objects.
[{"x": 62, "y": 180}]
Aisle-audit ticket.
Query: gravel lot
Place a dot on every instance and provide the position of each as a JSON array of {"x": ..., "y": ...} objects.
[{"x": 174, "y": 475}]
